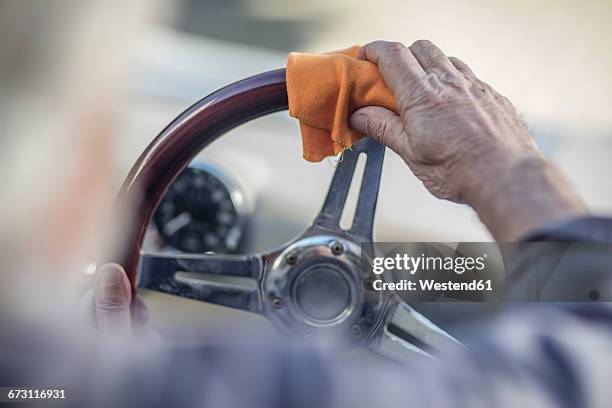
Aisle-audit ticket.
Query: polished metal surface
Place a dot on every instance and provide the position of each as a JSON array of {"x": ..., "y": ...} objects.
[
  {"x": 322, "y": 293},
  {"x": 318, "y": 288}
]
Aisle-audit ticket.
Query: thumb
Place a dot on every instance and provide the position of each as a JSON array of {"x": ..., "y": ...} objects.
[
  {"x": 380, "y": 124},
  {"x": 112, "y": 299}
]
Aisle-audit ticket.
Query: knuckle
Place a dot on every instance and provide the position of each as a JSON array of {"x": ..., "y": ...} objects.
[
  {"x": 380, "y": 131},
  {"x": 395, "y": 47},
  {"x": 111, "y": 304},
  {"x": 420, "y": 44},
  {"x": 457, "y": 62},
  {"x": 453, "y": 80},
  {"x": 393, "y": 51},
  {"x": 419, "y": 92},
  {"x": 378, "y": 44},
  {"x": 460, "y": 65}
]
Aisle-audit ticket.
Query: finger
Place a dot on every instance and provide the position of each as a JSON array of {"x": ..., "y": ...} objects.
[
  {"x": 112, "y": 300},
  {"x": 431, "y": 58},
  {"x": 396, "y": 64},
  {"x": 381, "y": 124},
  {"x": 467, "y": 71},
  {"x": 463, "y": 68}
]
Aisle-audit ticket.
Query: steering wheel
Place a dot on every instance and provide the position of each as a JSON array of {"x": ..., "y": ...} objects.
[{"x": 311, "y": 285}]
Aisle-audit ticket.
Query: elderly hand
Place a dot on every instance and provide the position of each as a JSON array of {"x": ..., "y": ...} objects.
[{"x": 463, "y": 140}]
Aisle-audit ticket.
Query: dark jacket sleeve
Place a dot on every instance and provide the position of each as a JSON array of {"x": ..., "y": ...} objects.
[{"x": 565, "y": 262}]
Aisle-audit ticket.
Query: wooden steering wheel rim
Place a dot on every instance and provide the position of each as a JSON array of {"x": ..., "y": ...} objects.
[{"x": 178, "y": 144}]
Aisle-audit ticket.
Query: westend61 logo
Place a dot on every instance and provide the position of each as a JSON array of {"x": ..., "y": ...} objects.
[{"x": 428, "y": 268}]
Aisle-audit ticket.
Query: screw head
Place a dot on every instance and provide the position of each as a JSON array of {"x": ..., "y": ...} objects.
[
  {"x": 356, "y": 330},
  {"x": 277, "y": 302},
  {"x": 336, "y": 248},
  {"x": 368, "y": 284},
  {"x": 291, "y": 258}
]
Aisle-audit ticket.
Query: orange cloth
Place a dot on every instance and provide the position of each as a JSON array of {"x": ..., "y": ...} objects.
[{"x": 324, "y": 90}]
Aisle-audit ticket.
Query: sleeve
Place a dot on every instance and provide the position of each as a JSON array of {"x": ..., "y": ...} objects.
[
  {"x": 564, "y": 262},
  {"x": 584, "y": 229}
]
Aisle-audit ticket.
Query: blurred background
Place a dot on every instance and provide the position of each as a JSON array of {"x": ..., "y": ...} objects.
[{"x": 551, "y": 58}]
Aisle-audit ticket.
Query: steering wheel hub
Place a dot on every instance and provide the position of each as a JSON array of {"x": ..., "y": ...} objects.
[
  {"x": 323, "y": 294},
  {"x": 317, "y": 282}
]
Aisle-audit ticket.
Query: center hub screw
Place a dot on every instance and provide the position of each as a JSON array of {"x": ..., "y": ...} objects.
[
  {"x": 336, "y": 248},
  {"x": 277, "y": 302},
  {"x": 291, "y": 258},
  {"x": 368, "y": 284},
  {"x": 356, "y": 330}
]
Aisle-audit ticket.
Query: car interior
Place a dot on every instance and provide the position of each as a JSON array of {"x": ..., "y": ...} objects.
[{"x": 249, "y": 192}]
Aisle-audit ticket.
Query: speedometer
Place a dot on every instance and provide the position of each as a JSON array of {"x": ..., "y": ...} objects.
[{"x": 202, "y": 212}]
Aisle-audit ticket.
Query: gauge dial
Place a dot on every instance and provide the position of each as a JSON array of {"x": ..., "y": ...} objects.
[{"x": 201, "y": 213}]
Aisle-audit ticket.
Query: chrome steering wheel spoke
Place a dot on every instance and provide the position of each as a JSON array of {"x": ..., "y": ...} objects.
[
  {"x": 337, "y": 194},
  {"x": 227, "y": 280},
  {"x": 405, "y": 333}
]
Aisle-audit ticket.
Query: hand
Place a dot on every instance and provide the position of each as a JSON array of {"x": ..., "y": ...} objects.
[
  {"x": 463, "y": 140},
  {"x": 111, "y": 299}
]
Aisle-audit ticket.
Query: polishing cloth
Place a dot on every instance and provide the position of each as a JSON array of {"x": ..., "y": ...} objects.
[{"x": 324, "y": 90}]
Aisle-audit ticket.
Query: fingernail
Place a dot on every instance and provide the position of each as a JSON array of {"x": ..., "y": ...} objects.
[
  {"x": 112, "y": 297},
  {"x": 110, "y": 282},
  {"x": 110, "y": 275}
]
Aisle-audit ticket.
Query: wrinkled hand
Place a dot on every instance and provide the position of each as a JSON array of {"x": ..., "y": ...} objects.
[
  {"x": 451, "y": 126},
  {"x": 461, "y": 138}
]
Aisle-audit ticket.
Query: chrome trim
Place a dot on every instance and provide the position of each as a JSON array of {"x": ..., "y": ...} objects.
[{"x": 202, "y": 280}]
